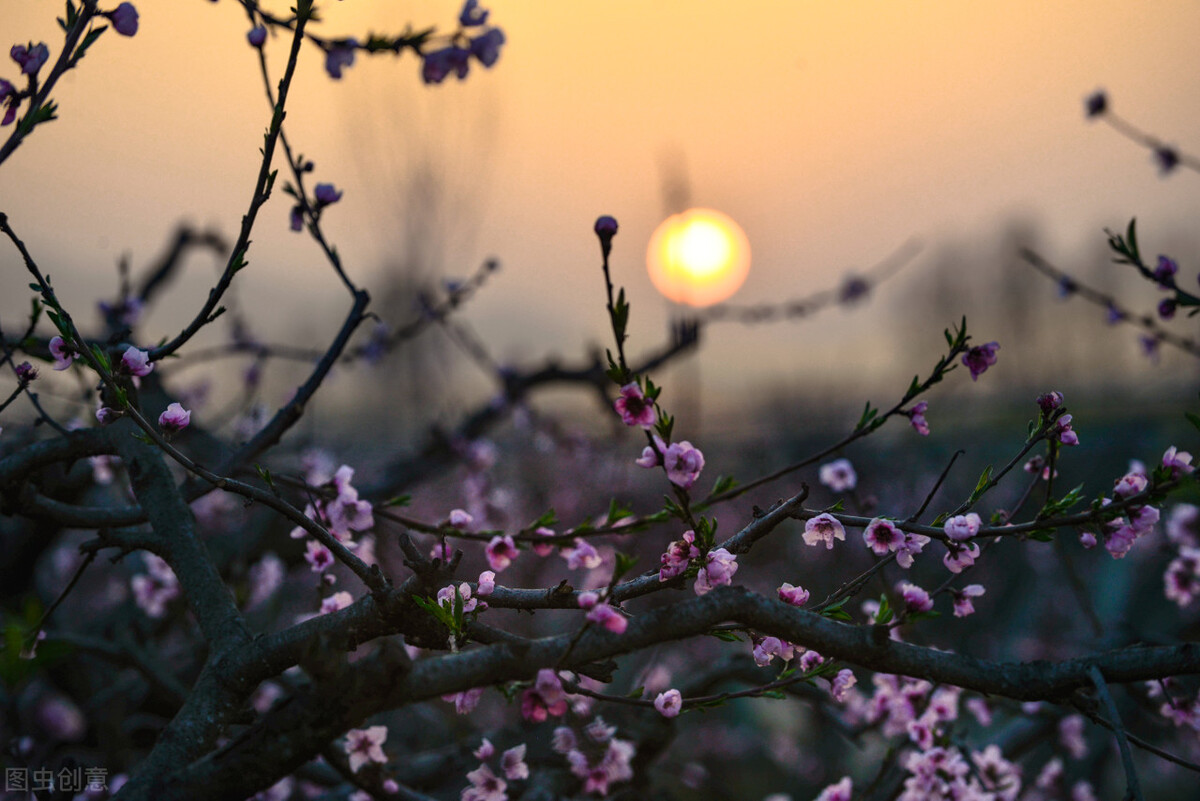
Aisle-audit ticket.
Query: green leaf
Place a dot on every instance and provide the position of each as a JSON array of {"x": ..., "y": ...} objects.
[
  {"x": 1194, "y": 419},
  {"x": 727, "y": 636},
  {"x": 981, "y": 485},
  {"x": 547, "y": 518},
  {"x": 397, "y": 500},
  {"x": 885, "y": 614},
  {"x": 723, "y": 484},
  {"x": 101, "y": 358},
  {"x": 625, "y": 563},
  {"x": 636, "y": 693},
  {"x": 616, "y": 511},
  {"x": 1041, "y": 535},
  {"x": 265, "y": 475},
  {"x": 88, "y": 39},
  {"x": 837, "y": 612}
]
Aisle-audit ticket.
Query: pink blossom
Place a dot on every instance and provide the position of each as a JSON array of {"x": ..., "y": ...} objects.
[
  {"x": 336, "y": 602},
  {"x": 838, "y": 475},
  {"x": 962, "y": 527},
  {"x": 809, "y": 660},
  {"x": 136, "y": 362},
  {"x": 718, "y": 570},
  {"x": 683, "y": 463},
  {"x": 500, "y": 552},
  {"x": 598, "y": 731},
  {"x": 608, "y": 617},
  {"x": 980, "y": 358},
  {"x": 909, "y": 548},
  {"x": 1129, "y": 484},
  {"x": 1087, "y": 539},
  {"x": 916, "y": 416},
  {"x": 512, "y": 762},
  {"x": 465, "y": 702},
  {"x": 796, "y": 596},
  {"x": 882, "y": 536},
  {"x": 485, "y": 751},
  {"x": 156, "y": 588},
  {"x": 770, "y": 647},
  {"x": 677, "y": 557},
  {"x": 1181, "y": 580},
  {"x": 1063, "y": 431},
  {"x": 582, "y": 555},
  {"x": 915, "y": 598},
  {"x": 63, "y": 353},
  {"x": 445, "y": 597},
  {"x": 563, "y": 740},
  {"x": 1070, "y": 735},
  {"x": 962, "y": 599},
  {"x": 634, "y": 408},
  {"x": 587, "y": 600},
  {"x": 174, "y": 419},
  {"x": 1179, "y": 461},
  {"x": 545, "y": 698},
  {"x": 978, "y": 707},
  {"x": 823, "y": 528},
  {"x": 459, "y": 518},
  {"x": 364, "y": 745},
  {"x": 840, "y": 791},
  {"x": 543, "y": 548},
  {"x": 650, "y": 456},
  {"x": 487, "y": 584},
  {"x": 1183, "y": 527},
  {"x": 318, "y": 556},
  {"x": 669, "y": 704},
  {"x": 485, "y": 786},
  {"x": 960, "y": 556}
]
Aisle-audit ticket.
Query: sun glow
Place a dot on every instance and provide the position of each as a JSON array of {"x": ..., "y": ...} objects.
[{"x": 699, "y": 257}]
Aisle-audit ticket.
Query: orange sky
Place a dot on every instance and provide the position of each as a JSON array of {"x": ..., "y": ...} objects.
[{"x": 832, "y": 132}]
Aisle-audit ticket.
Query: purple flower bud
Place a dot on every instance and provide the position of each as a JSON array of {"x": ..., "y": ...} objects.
[
  {"x": 30, "y": 58},
  {"x": 1167, "y": 159},
  {"x": 296, "y": 218},
  {"x": 438, "y": 65},
  {"x": 125, "y": 19},
  {"x": 257, "y": 36},
  {"x": 1166, "y": 308},
  {"x": 1115, "y": 315},
  {"x": 1066, "y": 287},
  {"x": 106, "y": 415},
  {"x": 1049, "y": 401},
  {"x": 326, "y": 194},
  {"x": 472, "y": 15},
  {"x": 26, "y": 372},
  {"x": 854, "y": 288},
  {"x": 1096, "y": 104},
  {"x": 1164, "y": 272},
  {"x": 486, "y": 48},
  {"x": 606, "y": 227},
  {"x": 339, "y": 56}
]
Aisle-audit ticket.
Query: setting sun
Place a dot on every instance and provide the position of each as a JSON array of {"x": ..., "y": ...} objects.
[{"x": 699, "y": 257}]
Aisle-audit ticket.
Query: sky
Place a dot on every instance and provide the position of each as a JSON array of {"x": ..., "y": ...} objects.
[{"x": 832, "y": 132}]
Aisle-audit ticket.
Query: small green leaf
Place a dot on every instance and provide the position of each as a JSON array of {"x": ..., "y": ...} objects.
[
  {"x": 837, "y": 612},
  {"x": 727, "y": 636},
  {"x": 637, "y": 692},
  {"x": 723, "y": 484},
  {"x": 625, "y": 563},
  {"x": 885, "y": 614},
  {"x": 397, "y": 500},
  {"x": 981, "y": 485},
  {"x": 1193, "y": 418}
]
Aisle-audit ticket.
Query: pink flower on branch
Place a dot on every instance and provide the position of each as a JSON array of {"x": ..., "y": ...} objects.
[
  {"x": 718, "y": 570},
  {"x": 63, "y": 353},
  {"x": 669, "y": 704},
  {"x": 838, "y": 475},
  {"x": 174, "y": 419},
  {"x": 980, "y": 358},
  {"x": 683, "y": 463},
  {"x": 916, "y": 416},
  {"x": 136, "y": 362},
  {"x": 823, "y": 528},
  {"x": 634, "y": 407},
  {"x": 501, "y": 551},
  {"x": 365, "y": 745}
]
